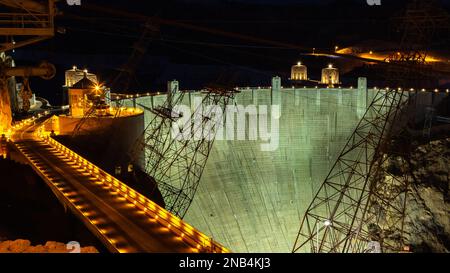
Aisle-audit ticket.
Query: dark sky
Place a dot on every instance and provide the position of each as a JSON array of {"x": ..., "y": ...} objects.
[
  {"x": 264, "y": 2},
  {"x": 288, "y": 2},
  {"x": 103, "y": 41}
]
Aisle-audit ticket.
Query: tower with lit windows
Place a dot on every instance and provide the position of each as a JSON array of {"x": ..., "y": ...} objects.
[
  {"x": 330, "y": 76},
  {"x": 299, "y": 72}
]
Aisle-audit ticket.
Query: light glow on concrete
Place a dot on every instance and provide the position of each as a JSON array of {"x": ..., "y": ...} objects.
[{"x": 253, "y": 201}]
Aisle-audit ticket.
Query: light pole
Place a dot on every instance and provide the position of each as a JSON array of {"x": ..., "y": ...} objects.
[{"x": 326, "y": 223}]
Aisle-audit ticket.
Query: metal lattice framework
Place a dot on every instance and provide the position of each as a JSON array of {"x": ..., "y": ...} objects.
[
  {"x": 25, "y": 22},
  {"x": 99, "y": 102},
  {"x": 90, "y": 113},
  {"x": 175, "y": 161},
  {"x": 419, "y": 24},
  {"x": 359, "y": 202},
  {"x": 127, "y": 72}
]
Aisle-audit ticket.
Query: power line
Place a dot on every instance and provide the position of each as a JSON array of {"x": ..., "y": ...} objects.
[
  {"x": 217, "y": 60},
  {"x": 225, "y": 45}
]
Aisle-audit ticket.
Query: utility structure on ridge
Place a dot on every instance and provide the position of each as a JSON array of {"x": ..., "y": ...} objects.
[{"x": 421, "y": 23}]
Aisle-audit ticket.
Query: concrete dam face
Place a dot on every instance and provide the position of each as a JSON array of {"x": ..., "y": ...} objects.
[{"x": 252, "y": 199}]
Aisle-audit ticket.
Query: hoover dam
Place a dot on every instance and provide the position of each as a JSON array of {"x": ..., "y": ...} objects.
[{"x": 252, "y": 199}]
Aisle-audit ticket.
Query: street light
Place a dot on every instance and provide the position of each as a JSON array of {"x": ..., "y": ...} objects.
[{"x": 326, "y": 224}]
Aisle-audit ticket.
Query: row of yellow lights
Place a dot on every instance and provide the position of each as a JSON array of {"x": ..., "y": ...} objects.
[
  {"x": 173, "y": 223},
  {"x": 123, "y": 96},
  {"x": 128, "y": 96},
  {"x": 20, "y": 124},
  {"x": 129, "y": 110},
  {"x": 137, "y": 95},
  {"x": 61, "y": 188},
  {"x": 92, "y": 171},
  {"x": 414, "y": 90},
  {"x": 351, "y": 87}
]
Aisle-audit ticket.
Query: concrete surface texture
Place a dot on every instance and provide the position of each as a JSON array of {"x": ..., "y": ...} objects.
[{"x": 251, "y": 200}]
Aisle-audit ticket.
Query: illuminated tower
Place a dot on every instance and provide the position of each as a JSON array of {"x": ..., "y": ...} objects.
[
  {"x": 330, "y": 75},
  {"x": 78, "y": 96},
  {"x": 75, "y": 75},
  {"x": 299, "y": 72}
]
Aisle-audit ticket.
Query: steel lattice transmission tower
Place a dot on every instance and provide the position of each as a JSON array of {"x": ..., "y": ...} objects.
[
  {"x": 176, "y": 160},
  {"x": 127, "y": 74},
  {"x": 99, "y": 104},
  {"x": 420, "y": 23},
  {"x": 359, "y": 202}
]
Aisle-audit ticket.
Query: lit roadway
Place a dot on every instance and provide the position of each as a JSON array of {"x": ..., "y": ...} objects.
[{"x": 121, "y": 218}]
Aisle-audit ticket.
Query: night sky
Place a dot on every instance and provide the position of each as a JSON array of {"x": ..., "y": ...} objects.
[{"x": 96, "y": 37}]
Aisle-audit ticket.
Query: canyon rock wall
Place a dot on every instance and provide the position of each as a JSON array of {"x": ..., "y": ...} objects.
[{"x": 428, "y": 210}]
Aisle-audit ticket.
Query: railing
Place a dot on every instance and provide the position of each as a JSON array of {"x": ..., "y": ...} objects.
[
  {"x": 62, "y": 194},
  {"x": 179, "y": 228},
  {"x": 119, "y": 96},
  {"x": 20, "y": 124},
  {"x": 57, "y": 185},
  {"x": 25, "y": 20}
]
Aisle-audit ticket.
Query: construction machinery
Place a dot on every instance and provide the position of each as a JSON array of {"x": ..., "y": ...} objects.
[
  {"x": 22, "y": 22},
  {"x": 26, "y": 22}
]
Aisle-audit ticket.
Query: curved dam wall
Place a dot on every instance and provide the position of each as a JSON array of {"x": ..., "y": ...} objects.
[{"x": 253, "y": 200}]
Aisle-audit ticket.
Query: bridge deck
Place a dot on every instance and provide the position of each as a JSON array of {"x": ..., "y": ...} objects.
[{"x": 120, "y": 224}]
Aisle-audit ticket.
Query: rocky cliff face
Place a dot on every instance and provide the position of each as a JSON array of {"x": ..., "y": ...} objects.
[
  {"x": 5, "y": 108},
  {"x": 428, "y": 212},
  {"x": 5, "y": 103},
  {"x": 24, "y": 246}
]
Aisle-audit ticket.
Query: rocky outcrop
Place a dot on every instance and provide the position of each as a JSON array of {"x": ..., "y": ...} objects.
[
  {"x": 5, "y": 103},
  {"x": 5, "y": 108},
  {"x": 428, "y": 212},
  {"x": 24, "y": 246}
]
